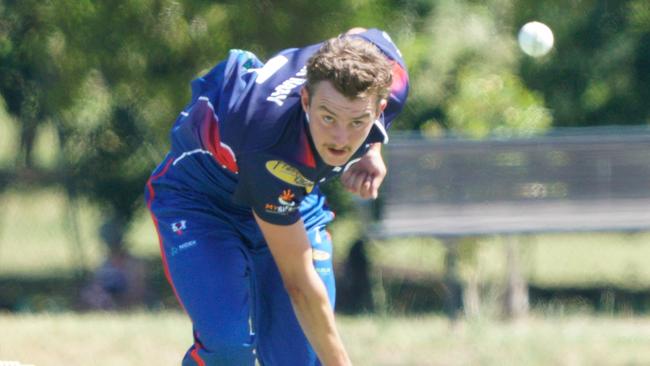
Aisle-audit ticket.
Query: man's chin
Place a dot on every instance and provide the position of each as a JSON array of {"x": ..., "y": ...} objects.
[
  {"x": 334, "y": 160},
  {"x": 334, "y": 157}
]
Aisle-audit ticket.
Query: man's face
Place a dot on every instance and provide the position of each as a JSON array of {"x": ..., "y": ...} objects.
[{"x": 338, "y": 125}]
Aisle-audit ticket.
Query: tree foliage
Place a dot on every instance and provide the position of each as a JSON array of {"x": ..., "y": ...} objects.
[{"x": 599, "y": 72}]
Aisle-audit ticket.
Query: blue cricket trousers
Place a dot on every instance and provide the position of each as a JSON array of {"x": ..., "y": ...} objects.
[{"x": 225, "y": 278}]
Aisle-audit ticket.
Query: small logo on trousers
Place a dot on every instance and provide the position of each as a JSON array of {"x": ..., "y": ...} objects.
[{"x": 179, "y": 226}]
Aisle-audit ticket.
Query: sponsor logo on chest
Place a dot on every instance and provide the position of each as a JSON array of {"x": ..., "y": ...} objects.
[{"x": 289, "y": 174}]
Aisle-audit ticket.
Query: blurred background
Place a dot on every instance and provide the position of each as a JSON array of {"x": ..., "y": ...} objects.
[{"x": 89, "y": 89}]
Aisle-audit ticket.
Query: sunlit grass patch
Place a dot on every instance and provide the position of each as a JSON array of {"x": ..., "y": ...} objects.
[{"x": 161, "y": 338}]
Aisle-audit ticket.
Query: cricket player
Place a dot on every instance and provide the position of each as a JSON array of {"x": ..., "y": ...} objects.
[{"x": 236, "y": 202}]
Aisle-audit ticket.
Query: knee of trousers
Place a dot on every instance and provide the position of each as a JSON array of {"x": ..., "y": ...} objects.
[
  {"x": 237, "y": 356},
  {"x": 226, "y": 341}
]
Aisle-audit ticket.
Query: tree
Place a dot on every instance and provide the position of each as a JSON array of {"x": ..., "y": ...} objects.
[{"x": 598, "y": 72}]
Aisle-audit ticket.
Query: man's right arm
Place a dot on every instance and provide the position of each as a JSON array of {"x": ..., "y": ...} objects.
[{"x": 292, "y": 252}]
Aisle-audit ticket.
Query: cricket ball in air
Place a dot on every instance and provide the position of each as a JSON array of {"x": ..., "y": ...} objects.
[{"x": 535, "y": 39}]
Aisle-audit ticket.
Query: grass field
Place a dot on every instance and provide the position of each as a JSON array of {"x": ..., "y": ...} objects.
[{"x": 161, "y": 339}]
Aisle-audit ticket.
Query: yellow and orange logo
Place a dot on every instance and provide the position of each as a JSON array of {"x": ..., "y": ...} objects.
[
  {"x": 287, "y": 204},
  {"x": 288, "y": 174},
  {"x": 286, "y": 198}
]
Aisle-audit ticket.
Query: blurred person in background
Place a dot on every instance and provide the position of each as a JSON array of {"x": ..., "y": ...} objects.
[
  {"x": 119, "y": 283},
  {"x": 236, "y": 202}
]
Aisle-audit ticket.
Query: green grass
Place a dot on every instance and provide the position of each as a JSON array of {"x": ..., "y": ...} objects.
[
  {"x": 536, "y": 341},
  {"x": 616, "y": 259},
  {"x": 586, "y": 259},
  {"x": 37, "y": 235},
  {"x": 94, "y": 339},
  {"x": 161, "y": 339}
]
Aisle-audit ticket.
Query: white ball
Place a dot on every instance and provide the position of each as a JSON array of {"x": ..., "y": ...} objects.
[{"x": 535, "y": 39}]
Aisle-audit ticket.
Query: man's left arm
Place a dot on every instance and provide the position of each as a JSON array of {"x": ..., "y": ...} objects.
[{"x": 364, "y": 177}]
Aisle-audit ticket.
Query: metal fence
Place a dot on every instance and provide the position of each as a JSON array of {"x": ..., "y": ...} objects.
[{"x": 576, "y": 180}]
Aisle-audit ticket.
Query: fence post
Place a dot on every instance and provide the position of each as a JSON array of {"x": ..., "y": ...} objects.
[
  {"x": 453, "y": 301},
  {"x": 516, "y": 294}
]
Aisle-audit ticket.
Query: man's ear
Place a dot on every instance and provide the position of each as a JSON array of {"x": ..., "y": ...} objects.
[
  {"x": 304, "y": 98},
  {"x": 382, "y": 105}
]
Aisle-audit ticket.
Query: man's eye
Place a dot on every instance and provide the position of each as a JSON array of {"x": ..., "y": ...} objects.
[
  {"x": 328, "y": 119},
  {"x": 357, "y": 124}
]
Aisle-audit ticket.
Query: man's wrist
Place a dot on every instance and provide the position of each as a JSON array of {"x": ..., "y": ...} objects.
[{"x": 374, "y": 149}]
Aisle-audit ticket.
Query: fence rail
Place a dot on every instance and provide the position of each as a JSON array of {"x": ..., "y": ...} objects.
[{"x": 595, "y": 181}]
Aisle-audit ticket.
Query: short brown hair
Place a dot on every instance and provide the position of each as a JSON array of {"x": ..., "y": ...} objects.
[{"x": 355, "y": 67}]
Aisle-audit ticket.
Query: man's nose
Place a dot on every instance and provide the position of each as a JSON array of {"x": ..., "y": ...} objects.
[{"x": 339, "y": 135}]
